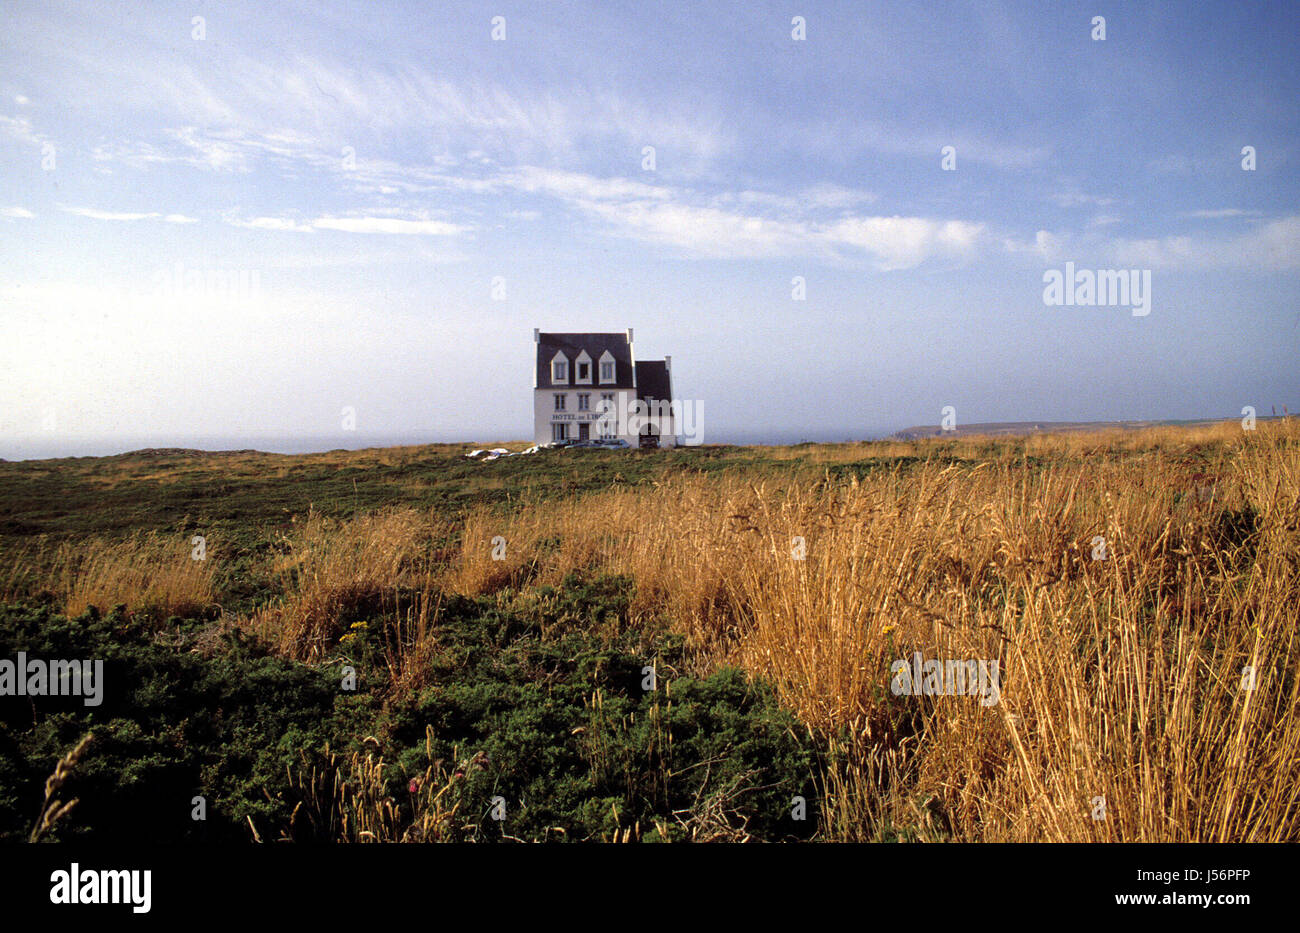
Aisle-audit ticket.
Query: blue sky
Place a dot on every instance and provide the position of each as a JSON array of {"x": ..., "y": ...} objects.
[{"x": 358, "y": 175}]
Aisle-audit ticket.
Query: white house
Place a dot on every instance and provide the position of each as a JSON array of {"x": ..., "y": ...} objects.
[{"x": 590, "y": 386}]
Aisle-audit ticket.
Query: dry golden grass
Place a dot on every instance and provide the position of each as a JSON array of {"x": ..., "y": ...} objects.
[
  {"x": 328, "y": 568},
  {"x": 54, "y": 808},
  {"x": 1121, "y": 678},
  {"x": 1162, "y": 682},
  {"x": 153, "y": 575},
  {"x": 1124, "y": 682}
]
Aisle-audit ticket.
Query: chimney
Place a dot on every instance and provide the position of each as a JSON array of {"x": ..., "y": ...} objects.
[
  {"x": 668, "y": 363},
  {"x": 537, "y": 335},
  {"x": 629, "y": 335}
]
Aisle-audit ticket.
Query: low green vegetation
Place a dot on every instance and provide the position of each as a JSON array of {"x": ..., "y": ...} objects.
[{"x": 546, "y": 710}]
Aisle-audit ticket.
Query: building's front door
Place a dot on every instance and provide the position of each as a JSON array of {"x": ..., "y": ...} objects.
[{"x": 584, "y": 431}]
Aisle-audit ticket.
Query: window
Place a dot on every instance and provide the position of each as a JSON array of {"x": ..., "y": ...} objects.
[
  {"x": 560, "y": 431},
  {"x": 606, "y": 370},
  {"x": 584, "y": 401},
  {"x": 559, "y": 401},
  {"x": 582, "y": 369},
  {"x": 559, "y": 371}
]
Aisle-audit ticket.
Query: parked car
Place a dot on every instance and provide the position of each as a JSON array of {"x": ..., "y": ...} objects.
[{"x": 612, "y": 443}]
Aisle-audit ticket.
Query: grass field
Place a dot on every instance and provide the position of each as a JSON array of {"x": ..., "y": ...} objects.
[{"x": 696, "y": 644}]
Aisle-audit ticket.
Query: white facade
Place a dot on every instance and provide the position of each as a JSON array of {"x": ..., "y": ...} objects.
[{"x": 585, "y": 388}]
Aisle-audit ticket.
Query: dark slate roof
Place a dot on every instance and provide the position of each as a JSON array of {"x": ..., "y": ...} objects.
[
  {"x": 595, "y": 344},
  {"x": 653, "y": 381}
]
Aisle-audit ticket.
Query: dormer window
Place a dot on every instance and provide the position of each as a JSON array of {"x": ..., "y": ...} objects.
[
  {"x": 559, "y": 369},
  {"x": 606, "y": 367},
  {"x": 582, "y": 369}
]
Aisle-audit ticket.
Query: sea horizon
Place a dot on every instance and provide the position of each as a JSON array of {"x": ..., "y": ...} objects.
[{"x": 37, "y": 448}]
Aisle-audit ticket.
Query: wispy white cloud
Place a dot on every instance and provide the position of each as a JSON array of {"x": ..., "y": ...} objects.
[
  {"x": 96, "y": 214},
  {"x": 821, "y": 196},
  {"x": 849, "y": 138},
  {"x": 332, "y": 104},
  {"x": 890, "y": 242},
  {"x": 15, "y": 212},
  {"x": 271, "y": 223},
  {"x": 1045, "y": 245},
  {"x": 222, "y": 151},
  {"x": 387, "y": 225},
  {"x": 1270, "y": 247},
  {"x": 751, "y": 224},
  {"x": 21, "y": 129},
  {"x": 579, "y": 186},
  {"x": 353, "y": 224},
  {"x": 904, "y": 242},
  {"x": 1068, "y": 199},
  {"x": 1221, "y": 213}
]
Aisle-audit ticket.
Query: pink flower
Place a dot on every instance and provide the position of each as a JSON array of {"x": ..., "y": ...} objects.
[{"x": 414, "y": 785}]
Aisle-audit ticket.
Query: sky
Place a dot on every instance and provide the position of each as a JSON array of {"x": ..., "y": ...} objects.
[{"x": 309, "y": 225}]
